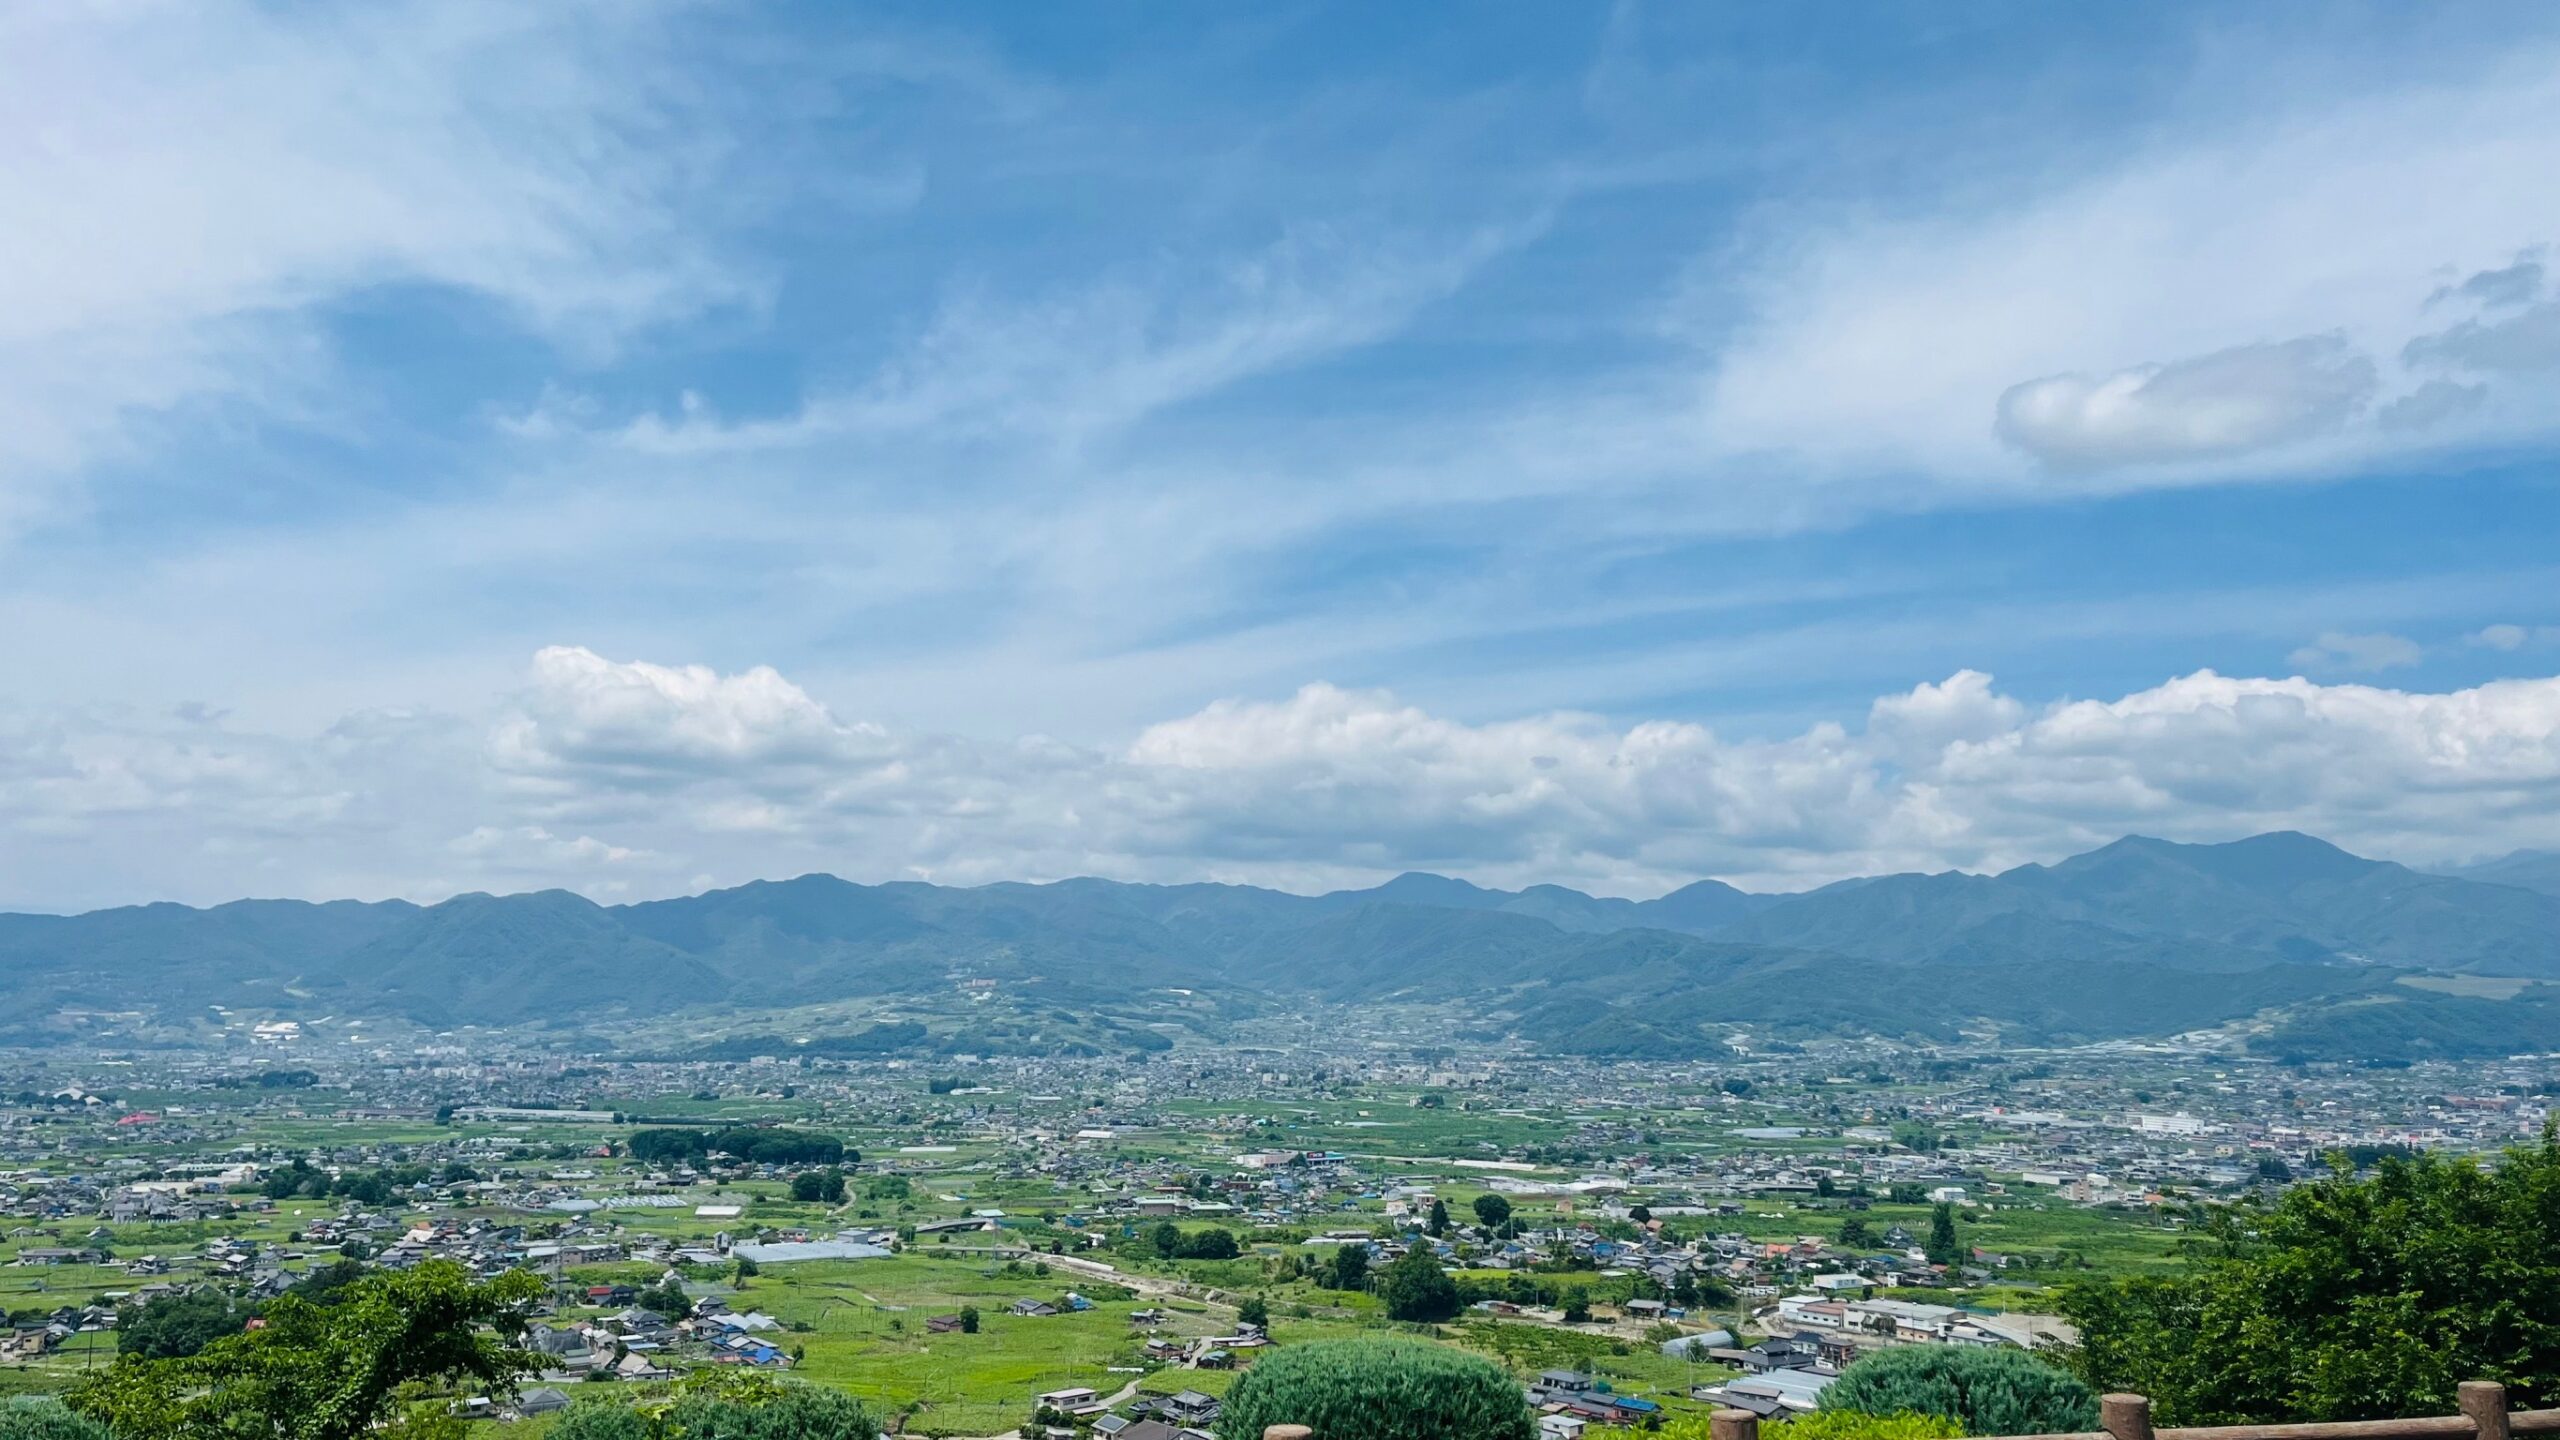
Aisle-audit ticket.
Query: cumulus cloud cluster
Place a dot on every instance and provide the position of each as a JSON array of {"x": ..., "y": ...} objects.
[{"x": 625, "y": 778}]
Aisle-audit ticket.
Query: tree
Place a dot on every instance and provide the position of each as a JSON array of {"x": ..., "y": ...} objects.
[
  {"x": 811, "y": 1187},
  {"x": 324, "y": 1372},
  {"x": 968, "y": 1319},
  {"x": 1855, "y": 1234},
  {"x": 739, "y": 1409},
  {"x": 747, "y": 1270},
  {"x": 1416, "y": 1288},
  {"x": 323, "y": 1284},
  {"x": 42, "y": 1417},
  {"x": 1988, "y": 1392},
  {"x": 1166, "y": 1237},
  {"x": 668, "y": 1299},
  {"x": 1210, "y": 1244},
  {"x": 1438, "y": 1224},
  {"x": 1907, "y": 1193},
  {"x": 1350, "y": 1267},
  {"x": 1942, "y": 1248},
  {"x": 1253, "y": 1311},
  {"x": 1577, "y": 1309},
  {"x": 2353, "y": 1299},
  {"x": 1378, "y": 1390},
  {"x": 175, "y": 1326},
  {"x": 1492, "y": 1211},
  {"x": 1641, "y": 1214}
]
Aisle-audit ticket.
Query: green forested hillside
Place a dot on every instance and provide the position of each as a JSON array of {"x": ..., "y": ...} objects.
[{"x": 2142, "y": 937}]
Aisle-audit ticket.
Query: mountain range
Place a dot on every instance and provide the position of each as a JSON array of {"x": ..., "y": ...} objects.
[{"x": 2141, "y": 937}]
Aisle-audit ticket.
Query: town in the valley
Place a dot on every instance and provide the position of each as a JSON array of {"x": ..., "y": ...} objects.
[{"x": 1101, "y": 1245}]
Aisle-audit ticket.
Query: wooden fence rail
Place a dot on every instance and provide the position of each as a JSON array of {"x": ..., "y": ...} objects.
[{"x": 2483, "y": 1404}]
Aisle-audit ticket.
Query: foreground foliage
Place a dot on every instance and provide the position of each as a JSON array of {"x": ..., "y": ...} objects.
[
  {"x": 726, "y": 1405},
  {"x": 2353, "y": 1299},
  {"x": 1821, "y": 1425},
  {"x": 323, "y": 1371},
  {"x": 41, "y": 1417},
  {"x": 1988, "y": 1392},
  {"x": 1378, "y": 1390}
]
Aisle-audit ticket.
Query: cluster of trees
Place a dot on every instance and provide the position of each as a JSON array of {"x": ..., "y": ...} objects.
[
  {"x": 755, "y": 1144},
  {"x": 1172, "y": 1242},
  {"x": 173, "y": 1327},
  {"x": 665, "y": 1298},
  {"x": 302, "y": 1181},
  {"x": 270, "y": 1080},
  {"x": 818, "y": 1186},
  {"x": 2349, "y": 1298}
]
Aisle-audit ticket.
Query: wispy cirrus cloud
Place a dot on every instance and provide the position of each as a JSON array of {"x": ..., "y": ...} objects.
[{"x": 212, "y": 177}]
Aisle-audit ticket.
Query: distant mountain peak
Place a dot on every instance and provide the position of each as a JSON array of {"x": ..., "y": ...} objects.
[{"x": 1421, "y": 887}]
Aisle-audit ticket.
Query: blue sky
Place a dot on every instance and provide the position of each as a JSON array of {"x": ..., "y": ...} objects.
[{"x": 642, "y": 446}]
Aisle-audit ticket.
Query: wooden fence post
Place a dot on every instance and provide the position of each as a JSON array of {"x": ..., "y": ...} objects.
[
  {"x": 1733, "y": 1425},
  {"x": 2485, "y": 1401},
  {"x": 2125, "y": 1417}
]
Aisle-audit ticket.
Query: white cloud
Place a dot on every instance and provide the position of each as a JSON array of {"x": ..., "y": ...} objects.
[
  {"x": 1089, "y": 360},
  {"x": 2526, "y": 341},
  {"x": 2513, "y": 637},
  {"x": 2227, "y": 403},
  {"x": 630, "y": 778},
  {"x": 583, "y": 716},
  {"x": 210, "y": 174},
  {"x": 2336, "y": 650},
  {"x": 1892, "y": 341},
  {"x": 2433, "y": 403}
]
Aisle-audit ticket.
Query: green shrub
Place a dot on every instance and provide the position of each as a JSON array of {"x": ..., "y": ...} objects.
[
  {"x": 1378, "y": 1390},
  {"x": 1988, "y": 1392},
  {"x": 599, "y": 1422},
  {"x": 1858, "y": 1425},
  {"x": 1825, "y": 1425},
  {"x": 785, "y": 1412},
  {"x": 727, "y": 1405},
  {"x": 41, "y": 1417}
]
